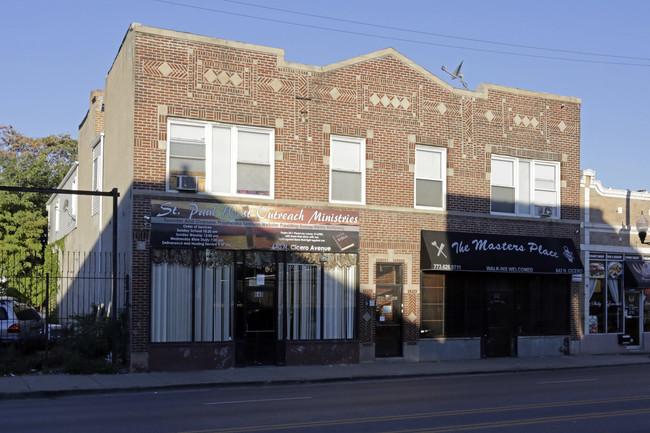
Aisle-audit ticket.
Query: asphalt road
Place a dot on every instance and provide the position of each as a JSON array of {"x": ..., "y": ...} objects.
[{"x": 613, "y": 399}]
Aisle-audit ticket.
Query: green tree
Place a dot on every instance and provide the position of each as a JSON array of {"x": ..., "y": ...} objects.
[{"x": 30, "y": 163}]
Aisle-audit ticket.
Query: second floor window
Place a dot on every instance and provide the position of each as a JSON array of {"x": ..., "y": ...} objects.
[
  {"x": 525, "y": 187},
  {"x": 347, "y": 170},
  {"x": 220, "y": 159},
  {"x": 430, "y": 177}
]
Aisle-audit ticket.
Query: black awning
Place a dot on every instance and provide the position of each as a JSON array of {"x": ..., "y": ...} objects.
[
  {"x": 454, "y": 251},
  {"x": 637, "y": 274}
]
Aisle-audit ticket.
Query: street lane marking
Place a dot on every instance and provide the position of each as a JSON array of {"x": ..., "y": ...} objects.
[
  {"x": 255, "y": 401},
  {"x": 567, "y": 381},
  {"x": 526, "y": 421},
  {"x": 378, "y": 419},
  {"x": 451, "y": 428}
]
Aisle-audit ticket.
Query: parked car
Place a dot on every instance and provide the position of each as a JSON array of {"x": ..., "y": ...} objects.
[{"x": 21, "y": 323}]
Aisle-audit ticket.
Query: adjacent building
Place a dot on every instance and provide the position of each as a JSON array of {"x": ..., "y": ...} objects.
[
  {"x": 279, "y": 213},
  {"x": 616, "y": 311}
]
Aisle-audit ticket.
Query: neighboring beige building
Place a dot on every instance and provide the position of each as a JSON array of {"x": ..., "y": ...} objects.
[
  {"x": 616, "y": 306},
  {"x": 81, "y": 224}
]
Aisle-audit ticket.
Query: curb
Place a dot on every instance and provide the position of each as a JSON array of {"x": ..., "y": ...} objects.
[{"x": 287, "y": 381}]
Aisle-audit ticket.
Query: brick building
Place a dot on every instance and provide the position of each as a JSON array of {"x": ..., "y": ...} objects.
[
  {"x": 616, "y": 311},
  {"x": 275, "y": 212}
]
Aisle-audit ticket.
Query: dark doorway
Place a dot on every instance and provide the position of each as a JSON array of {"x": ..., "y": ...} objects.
[
  {"x": 257, "y": 308},
  {"x": 632, "y": 317},
  {"x": 499, "y": 317},
  {"x": 388, "y": 310}
]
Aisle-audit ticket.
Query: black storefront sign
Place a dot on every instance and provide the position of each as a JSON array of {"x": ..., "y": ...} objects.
[
  {"x": 637, "y": 274},
  {"x": 207, "y": 225},
  {"x": 476, "y": 252}
]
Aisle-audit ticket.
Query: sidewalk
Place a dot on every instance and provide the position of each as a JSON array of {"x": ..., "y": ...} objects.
[{"x": 13, "y": 387}]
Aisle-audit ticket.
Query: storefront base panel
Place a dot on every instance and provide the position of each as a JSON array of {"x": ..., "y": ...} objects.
[
  {"x": 321, "y": 352},
  {"x": 411, "y": 352},
  {"x": 185, "y": 357},
  {"x": 602, "y": 344},
  {"x": 448, "y": 349},
  {"x": 139, "y": 362},
  {"x": 535, "y": 346},
  {"x": 367, "y": 352}
]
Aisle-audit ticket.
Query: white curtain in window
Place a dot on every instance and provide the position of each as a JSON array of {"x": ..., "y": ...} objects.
[
  {"x": 612, "y": 285},
  {"x": 591, "y": 288},
  {"x": 171, "y": 302},
  {"x": 338, "y": 303},
  {"x": 308, "y": 305},
  {"x": 212, "y": 303},
  {"x": 303, "y": 301}
]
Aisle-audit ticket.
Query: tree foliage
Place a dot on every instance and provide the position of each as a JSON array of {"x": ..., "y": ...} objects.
[{"x": 30, "y": 163}]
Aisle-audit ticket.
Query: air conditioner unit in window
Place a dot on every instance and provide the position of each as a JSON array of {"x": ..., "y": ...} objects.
[
  {"x": 187, "y": 183},
  {"x": 545, "y": 211}
]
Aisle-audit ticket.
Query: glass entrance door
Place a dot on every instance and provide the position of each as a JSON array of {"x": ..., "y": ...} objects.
[
  {"x": 388, "y": 308},
  {"x": 633, "y": 317},
  {"x": 257, "y": 309}
]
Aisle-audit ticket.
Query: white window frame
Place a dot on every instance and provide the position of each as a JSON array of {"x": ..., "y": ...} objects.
[
  {"x": 57, "y": 216},
  {"x": 534, "y": 201},
  {"x": 97, "y": 174},
  {"x": 362, "y": 165},
  {"x": 210, "y": 156},
  {"x": 443, "y": 175}
]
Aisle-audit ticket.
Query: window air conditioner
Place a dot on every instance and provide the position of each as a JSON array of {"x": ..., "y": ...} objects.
[
  {"x": 545, "y": 211},
  {"x": 187, "y": 183}
]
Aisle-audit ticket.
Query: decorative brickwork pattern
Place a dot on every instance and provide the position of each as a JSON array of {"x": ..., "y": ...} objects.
[{"x": 411, "y": 315}]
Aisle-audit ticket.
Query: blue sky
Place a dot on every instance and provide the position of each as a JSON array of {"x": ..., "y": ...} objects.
[{"x": 55, "y": 52}]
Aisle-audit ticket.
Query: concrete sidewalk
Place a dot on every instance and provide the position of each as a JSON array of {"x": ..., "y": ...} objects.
[{"x": 55, "y": 385}]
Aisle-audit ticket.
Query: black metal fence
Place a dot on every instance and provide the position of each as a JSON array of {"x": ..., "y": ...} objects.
[{"x": 57, "y": 311}]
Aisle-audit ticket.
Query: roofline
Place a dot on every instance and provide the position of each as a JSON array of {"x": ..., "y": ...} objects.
[
  {"x": 480, "y": 92},
  {"x": 68, "y": 175},
  {"x": 597, "y": 185}
]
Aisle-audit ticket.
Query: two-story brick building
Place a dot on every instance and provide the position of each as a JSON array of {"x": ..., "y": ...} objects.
[{"x": 275, "y": 212}]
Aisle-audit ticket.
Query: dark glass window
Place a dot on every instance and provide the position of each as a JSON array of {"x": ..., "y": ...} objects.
[
  {"x": 433, "y": 307},
  {"x": 542, "y": 305},
  {"x": 453, "y": 304},
  {"x": 463, "y": 306}
]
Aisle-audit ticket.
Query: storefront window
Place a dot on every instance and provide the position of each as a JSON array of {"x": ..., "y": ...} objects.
[
  {"x": 614, "y": 306},
  {"x": 433, "y": 305},
  {"x": 605, "y": 299},
  {"x": 454, "y": 304},
  {"x": 191, "y": 295},
  {"x": 542, "y": 304},
  {"x": 317, "y": 297},
  {"x": 646, "y": 311},
  {"x": 596, "y": 309}
]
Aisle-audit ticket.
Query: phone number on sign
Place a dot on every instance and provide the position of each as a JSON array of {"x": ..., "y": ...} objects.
[{"x": 446, "y": 267}]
